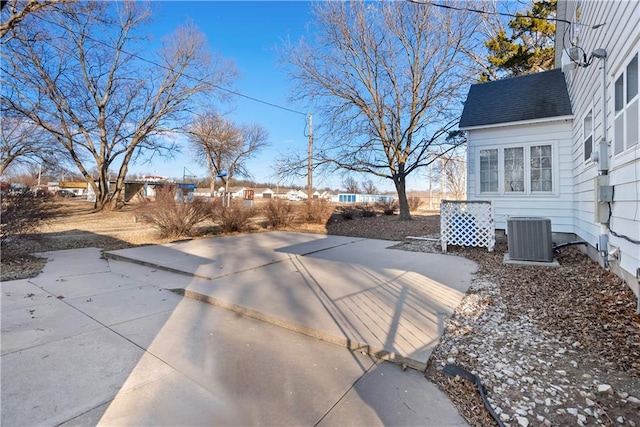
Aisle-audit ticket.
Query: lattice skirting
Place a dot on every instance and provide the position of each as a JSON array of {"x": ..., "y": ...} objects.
[{"x": 467, "y": 223}]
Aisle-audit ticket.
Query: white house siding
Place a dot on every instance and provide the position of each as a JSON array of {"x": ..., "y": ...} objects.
[
  {"x": 620, "y": 37},
  {"x": 557, "y": 206}
]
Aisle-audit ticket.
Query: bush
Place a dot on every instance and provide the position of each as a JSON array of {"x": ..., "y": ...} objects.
[
  {"x": 367, "y": 211},
  {"x": 236, "y": 217},
  {"x": 317, "y": 211},
  {"x": 347, "y": 213},
  {"x": 414, "y": 203},
  {"x": 280, "y": 213},
  {"x": 22, "y": 212},
  {"x": 387, "y": 208},
  {"x": 171, "y": 218}
]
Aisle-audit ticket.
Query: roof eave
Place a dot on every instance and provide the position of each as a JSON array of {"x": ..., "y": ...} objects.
[{"x": 520, "y": 122}]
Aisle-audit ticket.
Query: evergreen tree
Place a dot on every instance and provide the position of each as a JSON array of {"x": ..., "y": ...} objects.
[{"x": 529, "y": 48}]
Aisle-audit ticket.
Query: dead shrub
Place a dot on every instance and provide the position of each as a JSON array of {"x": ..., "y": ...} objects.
[
  {"x": 347, "y": 212},
  {"x": 414, "y": 203},
  {"x": 172, "y": 218},
  {"x": 367, "y": 211},
  {"x": 233, "y": 218},
  {"x": 317, "y": 211},
  {"x": 387, "y": 208},
  {"x": 22, "y": 212},
  {"x": 279, "y": 213}
]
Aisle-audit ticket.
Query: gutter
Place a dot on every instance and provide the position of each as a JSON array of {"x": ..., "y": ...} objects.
[{"x": 520, "y": 122}]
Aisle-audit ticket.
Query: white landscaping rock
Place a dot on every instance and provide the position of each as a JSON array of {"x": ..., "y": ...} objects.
[{"x": 605, "y": 388}]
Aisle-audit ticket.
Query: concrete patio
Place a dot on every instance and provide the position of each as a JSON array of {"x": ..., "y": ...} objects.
[{"x": 105, "y": 341}]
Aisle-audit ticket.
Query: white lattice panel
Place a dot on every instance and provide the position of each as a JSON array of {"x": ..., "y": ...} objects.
[{"x": 467, "y": 223}]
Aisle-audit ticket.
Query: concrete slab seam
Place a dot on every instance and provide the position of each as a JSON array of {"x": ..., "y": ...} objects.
[
  {"x": 335, "y": 404},
  {"x": 346, "y": 342},
  {"x": 116, "y": 257}
]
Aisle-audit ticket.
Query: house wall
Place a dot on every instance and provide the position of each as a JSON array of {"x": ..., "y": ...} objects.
[
  {"x": 557, "y": 205},
  {"x": 620, "y": 37}
]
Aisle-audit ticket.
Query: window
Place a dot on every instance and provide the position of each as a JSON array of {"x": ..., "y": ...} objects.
[
  {"x": 488, "y": 170},
  {"x": 541, "y": 168},
  {"x": 524, "y": 169},
  {"x": 514, "y": 169},
  {"x": 587, "y": 135},
  {"x": 627, "y": 112}
]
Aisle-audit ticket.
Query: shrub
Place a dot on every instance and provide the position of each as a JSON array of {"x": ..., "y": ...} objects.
[
  {"x": 280, "y": 213},
  {"x": 172, "y": 218},
  {"x": 347, "y": 213},
  {"x": 367, "y": 211},
  {"x": 317, "y": 211},
  {"x": 22, "y": 212},
  {"x": 414, "y": 203},
  {"x": 236, "y": 217},
  {"x": 387, "y": 208}
]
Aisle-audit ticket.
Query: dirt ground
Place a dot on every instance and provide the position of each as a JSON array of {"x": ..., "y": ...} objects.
[{"x": 579, "y": 301}]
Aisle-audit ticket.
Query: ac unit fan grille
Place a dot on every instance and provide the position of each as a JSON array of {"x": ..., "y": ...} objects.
[{"x": 529, "y": 239}]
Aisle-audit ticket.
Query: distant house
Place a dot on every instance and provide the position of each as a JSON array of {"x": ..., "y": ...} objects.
[
  {"x": 327, "y": 195},
  {"x": 564, "y": 144},
  {"x": 264, "y": 193},
  {"x": 78, "y": 188}
]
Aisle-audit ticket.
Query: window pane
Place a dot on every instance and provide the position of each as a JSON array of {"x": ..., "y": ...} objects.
[
  {"x": 587, "y": 125},
  {"x": 488, "y": 170},
  {"x": 632, "y": 123},
  {"x": 588, "y": 148},
  {"x": 632, "y": 78},
  {"x": 541, "y": 168},
  {"x": 514, "y": 169},
  {"x": 618, "y": 134},
  {"x": 619, "y": 93}
]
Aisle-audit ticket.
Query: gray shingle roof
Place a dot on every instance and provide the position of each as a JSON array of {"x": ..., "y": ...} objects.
[{"x": 534, "y": 96}]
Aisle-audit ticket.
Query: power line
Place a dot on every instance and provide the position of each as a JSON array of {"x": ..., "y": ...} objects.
[
  {"x": 511, "y": 15},
  {"x": 141, "y": 58}
]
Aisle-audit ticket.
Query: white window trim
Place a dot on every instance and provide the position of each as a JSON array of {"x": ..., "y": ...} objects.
[{"x": 555, "y": 171}]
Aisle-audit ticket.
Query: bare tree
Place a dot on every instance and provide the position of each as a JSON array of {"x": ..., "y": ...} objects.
[
  {"x": 351, "y": 185},
  {"x": 455, "y": 176},
  {"x": 15, "y": 11},
  {"x": 22, "y": 143},
  {"x": 85, "y": 86},
  {"x": 387, "y": 78},
  {"x": 369, "y": 187},
  {"x": 225, "y": 147}
]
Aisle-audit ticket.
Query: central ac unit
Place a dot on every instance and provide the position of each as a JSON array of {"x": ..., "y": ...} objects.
[{"x": 529, "y": 239}]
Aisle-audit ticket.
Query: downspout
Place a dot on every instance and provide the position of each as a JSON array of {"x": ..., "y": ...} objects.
[{"x": 603, "y": 159}]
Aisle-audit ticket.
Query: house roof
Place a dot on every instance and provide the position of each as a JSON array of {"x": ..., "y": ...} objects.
[{"x": 533, "y": 96}]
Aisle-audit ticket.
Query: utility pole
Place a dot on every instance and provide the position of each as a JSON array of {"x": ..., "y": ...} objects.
[
  {"x": 430, "y": 189},
  {"x": 309, "y": 166}
]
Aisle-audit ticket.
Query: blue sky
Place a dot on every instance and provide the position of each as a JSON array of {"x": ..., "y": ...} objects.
[{"x": 249, "y": 33}]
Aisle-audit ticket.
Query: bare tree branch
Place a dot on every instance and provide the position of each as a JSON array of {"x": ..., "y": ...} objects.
[
  {"x": 88, "y": 88},
  {"x": 387, "y": 78},
  {"x": 224, "y": 147},
  {"x": 15, "y": 11},
  {"x": 24, "y": 143}
]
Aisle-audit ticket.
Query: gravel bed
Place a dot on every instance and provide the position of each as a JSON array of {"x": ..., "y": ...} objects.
[{"x": 552, "y": 346}]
